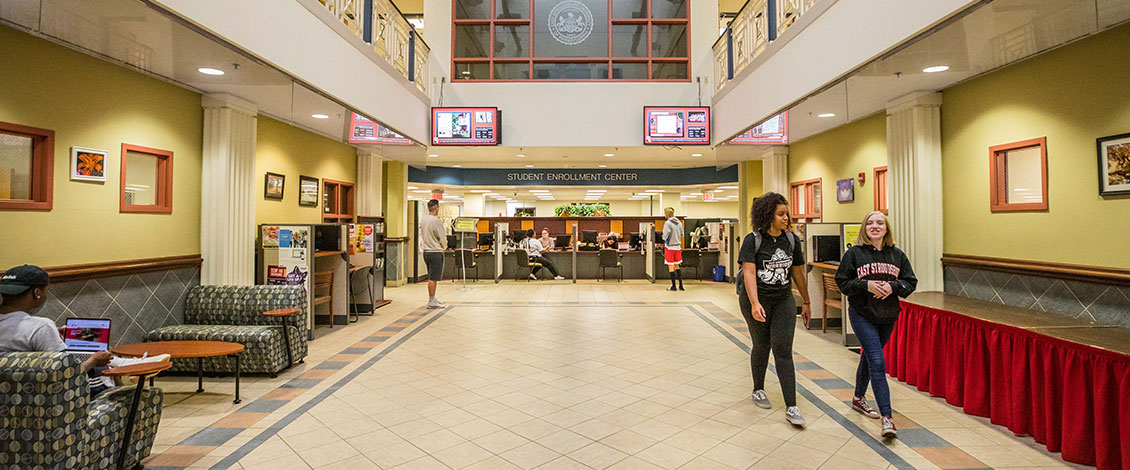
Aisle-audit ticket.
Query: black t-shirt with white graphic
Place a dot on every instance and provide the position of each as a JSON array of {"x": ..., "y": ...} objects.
[{"x": 774, "y": 263}]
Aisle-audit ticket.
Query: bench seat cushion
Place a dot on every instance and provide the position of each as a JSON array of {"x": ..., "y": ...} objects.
[{"x": 263, "y": 352}]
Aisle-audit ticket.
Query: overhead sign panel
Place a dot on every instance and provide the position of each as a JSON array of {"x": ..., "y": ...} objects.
[
  {"x": 363, "y": 130},
  {"x": 676, "y": 125},
  {"x": 466, "y": 126},
  {"x": 774, "y": 131}
]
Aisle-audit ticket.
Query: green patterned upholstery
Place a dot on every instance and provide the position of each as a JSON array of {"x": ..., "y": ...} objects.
[
  {"x": 48, "y": 421},
  {"x": 235, "y": 314}
]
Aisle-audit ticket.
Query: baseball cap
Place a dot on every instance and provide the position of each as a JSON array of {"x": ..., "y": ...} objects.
[{"x": 21, "y": 278}]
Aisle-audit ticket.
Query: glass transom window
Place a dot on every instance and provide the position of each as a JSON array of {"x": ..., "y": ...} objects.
[{"x": 567, "y": 40}]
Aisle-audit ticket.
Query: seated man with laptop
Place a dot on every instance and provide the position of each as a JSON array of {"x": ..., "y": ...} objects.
[{"x": 24, "y": 291}]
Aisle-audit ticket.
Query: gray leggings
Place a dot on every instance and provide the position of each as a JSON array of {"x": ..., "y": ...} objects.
[{"x": 776, "y": 334}]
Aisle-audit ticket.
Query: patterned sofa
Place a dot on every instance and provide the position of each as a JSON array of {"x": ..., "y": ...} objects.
[
  {"x": 235, "y": 314},
  {"x": 48, "y": 421}
]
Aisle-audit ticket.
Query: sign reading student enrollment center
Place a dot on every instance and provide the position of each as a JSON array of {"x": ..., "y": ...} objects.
[{"x": 573, "y": 177}]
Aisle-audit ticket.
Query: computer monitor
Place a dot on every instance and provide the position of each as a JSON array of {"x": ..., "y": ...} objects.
[
  {"x": 827, "y": 247},
  {"x": 562, "y": 241},
  {"x": 658, "y": 238},
  {"x": 452, "y": 242},
  {"x": 588, "y": 236},
  {"x": 87, "y": 334},
  {"x": 634, "y": 240},
  {"x": 486, "y": 239}
]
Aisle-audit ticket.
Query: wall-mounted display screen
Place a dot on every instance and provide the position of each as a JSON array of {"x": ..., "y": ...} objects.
[
  {"x": 774, "y": 131},
  {"x": 363, "y": 130},
  {"x": 466, "y": 126},
  {"x": 675, "y": 125}
]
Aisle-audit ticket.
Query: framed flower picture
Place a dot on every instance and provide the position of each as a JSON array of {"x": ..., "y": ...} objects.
[
  {"x": 88, "y": 164},
  {"x": 273, "y": 186},
  {"x": 1114, "y": 165}
]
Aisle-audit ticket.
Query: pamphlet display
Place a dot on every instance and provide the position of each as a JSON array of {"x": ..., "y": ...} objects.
[
  {"x": 360, "y": 238},
  {"x": 466, "y": 126},
  {"x": 686, "y": 125},
  {"x": 288, "y": 244},
  {"x": 363, "y": 130},
  {"x": 850, "y": 233},
  {"x": 774, "y": 131}
]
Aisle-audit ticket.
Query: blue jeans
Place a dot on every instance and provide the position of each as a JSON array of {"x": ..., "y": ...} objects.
[{"x": 872, "y": 364}]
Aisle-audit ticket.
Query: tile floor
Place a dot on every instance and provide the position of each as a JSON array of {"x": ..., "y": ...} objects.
[{"x": 553, "y": 375}]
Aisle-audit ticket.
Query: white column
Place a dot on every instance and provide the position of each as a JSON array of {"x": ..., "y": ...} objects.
[
  {"x": 914, "y": 175},
  {"x": 227, "y": 192},
  {"x": 369, "y": 191},
  {"x": 775, "y": 170}
]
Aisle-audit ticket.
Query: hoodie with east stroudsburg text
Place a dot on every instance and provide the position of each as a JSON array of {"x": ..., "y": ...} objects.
[{"x": 864, "y": 263}]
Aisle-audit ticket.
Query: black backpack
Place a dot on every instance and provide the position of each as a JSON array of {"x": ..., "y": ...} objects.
[{"x": 756, "y": 247}]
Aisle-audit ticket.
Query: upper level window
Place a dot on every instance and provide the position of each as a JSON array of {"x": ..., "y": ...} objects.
[
  {"x": 27, "y": 157},
  {"x": 567, "y": 40},
  {"x": 804, "y": 200}
]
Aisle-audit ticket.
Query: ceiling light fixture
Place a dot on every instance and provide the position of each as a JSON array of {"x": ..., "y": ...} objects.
[
  {"x": 727, "y": 187},
  {"x": 654, "y": 191},
  {"x": 936, "y": 68},
  {"x": 480, "y": 190},
  {"x": 412, "y": 187},
  {"x": 539, "y": 190},
  {"x": 521, "y": 155},
  {"x": 319, "y": 116},
  {"x": 826, "y": 115},
  {"x": 529, "y": 166},
  {"x": 610, "y": 155},
  {"x": 603, "y": 166},
  {"x": 719, "y": 190},
  {"x": 433, "y": 156},
  {"x": 457, "y": 166},
  {"x": 696, "y": 154},
  {"x": 210, "y": 71}
]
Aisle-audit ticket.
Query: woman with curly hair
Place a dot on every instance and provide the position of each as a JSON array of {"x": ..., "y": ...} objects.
[{"x": 769, "y": 256}]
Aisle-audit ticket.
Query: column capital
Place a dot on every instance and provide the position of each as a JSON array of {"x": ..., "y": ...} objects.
[
  {"x": 918, "y": 99},
  {"x": 225, "y": 100},
  {"x": 777, "y": 151}
]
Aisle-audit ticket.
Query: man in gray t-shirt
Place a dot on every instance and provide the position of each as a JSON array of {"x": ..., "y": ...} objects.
[
  {"x": 24, "y": 290},
  {"x": 433, "y": 240}
]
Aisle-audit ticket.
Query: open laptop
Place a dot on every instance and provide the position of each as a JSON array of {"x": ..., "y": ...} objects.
[{"x": 86, "y": 336}]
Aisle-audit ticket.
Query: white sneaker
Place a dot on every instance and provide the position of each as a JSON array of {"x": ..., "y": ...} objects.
[
  {"x": 558, "y": 278},
  {"x": 434, "y": 304},
  {"x": 441, "y": 303},
  {"x": 533, "y": 277},
  {"x": 792, "y": 415}
]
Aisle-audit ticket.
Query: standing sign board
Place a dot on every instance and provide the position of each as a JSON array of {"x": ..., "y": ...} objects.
[{"x": 648, "y": 229}]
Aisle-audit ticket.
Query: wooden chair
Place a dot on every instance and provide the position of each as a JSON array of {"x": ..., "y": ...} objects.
[
  {"x": 465, "y": 258},
  {"x": 610, "y": 259},
  {"x": 832, "y": 298},
  {"x": 691, "y": 260},
  {"x": 524, "y": 262},
  {"x": 324, "y": 280}
]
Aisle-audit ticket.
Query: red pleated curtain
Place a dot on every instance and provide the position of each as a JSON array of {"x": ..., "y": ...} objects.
[{"x": 1073, "y": 398}]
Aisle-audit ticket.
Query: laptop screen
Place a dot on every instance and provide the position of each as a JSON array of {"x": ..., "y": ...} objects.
[{"x": 88, "y": 335}]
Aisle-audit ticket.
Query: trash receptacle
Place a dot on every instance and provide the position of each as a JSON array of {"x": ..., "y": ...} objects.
[{"x": 719, "y": 273}]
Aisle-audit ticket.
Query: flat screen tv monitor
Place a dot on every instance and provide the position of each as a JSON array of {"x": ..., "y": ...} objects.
[
  {"x": 466, "y": 126},
  {"x": 588, "y": 236},
  {"x": 327, "y": 237},
  {"x": 363, "y": 130},
  {"x": 561, "y": 242},
  {"x": 676, "y": 125},
  {"x": 774, "y": 131},
  {"x": 486, "y": 239},
  {"x": 827, "y": 247}
]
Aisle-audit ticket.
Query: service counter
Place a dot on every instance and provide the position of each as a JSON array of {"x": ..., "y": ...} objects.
[{"x": 588, "y": 265}]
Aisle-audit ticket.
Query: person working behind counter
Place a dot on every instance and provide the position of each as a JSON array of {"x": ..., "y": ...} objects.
[{"x": 534, "y": 248}]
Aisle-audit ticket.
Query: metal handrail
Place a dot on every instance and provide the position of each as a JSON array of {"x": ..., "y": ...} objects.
[{"x": 389, "y": 33}]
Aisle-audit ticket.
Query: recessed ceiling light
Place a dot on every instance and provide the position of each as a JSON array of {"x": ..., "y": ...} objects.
[
  {"x": 539, "y": 190},
  {"x": 936, "y": 69},
  {"x": 521, "y": 155},
  {"x": 654, "y": 191},
  {"x": 421, "y": 191},
  {"x": 719, "y": 190},
  {"x": 457, "y": 166},
  {"x": 412, "y": 187},
  {"x": 610, "y": 155},
  {"x": 727, "y": 187},
  {"x": 696, "y": 194},
  {"x": 603, "y": 166},
  {"x": 529, "y": 166},
  {"x": 696, "y": 154},
  {"x": 826, "y": 115},
  {"x": 210, "y": 71},
  {"x": 319, "y": 116},
  {"x": 433, "y": 156},
  {"x": 598, "y": 190},
  {"x": 480, "y": 190}
]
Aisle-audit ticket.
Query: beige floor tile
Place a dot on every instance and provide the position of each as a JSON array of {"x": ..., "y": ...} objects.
[
  {"x": 597, "y": 455},
  {"x": 500, "y": 441},
  {"x": 327, "y": 454},
  {"x": 529, "y": 455},
  {"x": 462, "y": 455},
  {"x": 800, "y": 455},
  {"x": 564, "y": 441},
  {"x": 357, "y": 462},
  {"x": 395, "y": 454},
  {"x": 665, "y": 455},
  {"x": 564, "y": 463}
]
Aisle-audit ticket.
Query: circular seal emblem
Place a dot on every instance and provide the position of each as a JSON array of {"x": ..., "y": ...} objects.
[{"x": 570, "y": 22}]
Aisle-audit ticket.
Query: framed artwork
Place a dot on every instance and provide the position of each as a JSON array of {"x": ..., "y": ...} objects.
[
  {"x": 1114, "y": 165},
  {"x": 308, "y": 191},
  {"x": 845, "y": 190},
  {"x": 273, "y": 185},
  {"x": 88, "y": 164}
]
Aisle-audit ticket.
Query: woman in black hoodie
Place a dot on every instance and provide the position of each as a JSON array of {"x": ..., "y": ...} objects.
[{"x": 874, "y": 274}]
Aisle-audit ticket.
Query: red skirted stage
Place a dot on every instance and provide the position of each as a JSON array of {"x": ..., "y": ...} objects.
[{"x": 1029, "y": 374}]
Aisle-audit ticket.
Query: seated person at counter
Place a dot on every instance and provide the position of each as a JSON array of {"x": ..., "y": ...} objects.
[
  {"x": 546, "y": 240},
  {"x": 533, "y": 248},
  {"x": 610, "y": 242}
]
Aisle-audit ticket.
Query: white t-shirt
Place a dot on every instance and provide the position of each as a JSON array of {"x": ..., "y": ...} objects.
[{"x": 532, "y": 246}]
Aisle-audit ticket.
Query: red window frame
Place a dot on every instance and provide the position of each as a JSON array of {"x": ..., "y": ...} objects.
[
  {"x": 531, "y": 58},
  {"x": 342, "y": 193},
  {"x": 42, "y": 168},
  {"x": 809, "y": 189},
  {"x": 881, "y": 189},
  {"x": 998, "y": 187},
  {"x": 164, "y": 190}
]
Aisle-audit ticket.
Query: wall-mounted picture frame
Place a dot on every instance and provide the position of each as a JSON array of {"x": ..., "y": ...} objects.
[
  {"x": 273, "y": 186},
  {"x": 845, "y": 190},
  {"x": 88, "y": 164},
  {"x": 308, "y": 191},
  {"x": 1114, "y": 165}
]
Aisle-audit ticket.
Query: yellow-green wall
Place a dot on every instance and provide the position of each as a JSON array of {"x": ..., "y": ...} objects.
[
  {"x": 751, "y": 184},
  {"x": 92, "y": 103},
  {"x": 1071, "y": 95},
  {"x": 290, "y": 151},
  {"x": 841, "y": 153}
]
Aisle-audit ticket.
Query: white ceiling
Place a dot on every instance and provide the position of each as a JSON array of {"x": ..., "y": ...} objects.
[
  {"x": 989, "y": 37},
  {"x": 572, "y": 157}
]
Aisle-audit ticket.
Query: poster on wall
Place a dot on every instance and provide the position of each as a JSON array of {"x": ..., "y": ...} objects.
[
  {"x": 360, "y": 238},
  {"x": 1114, "y": 165},
  {"x": 290, "y": 244},
  {"x": 845, "y": 190},
  {"x": 850, "y": 233},
  {"x": 88, "y": 164}
]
